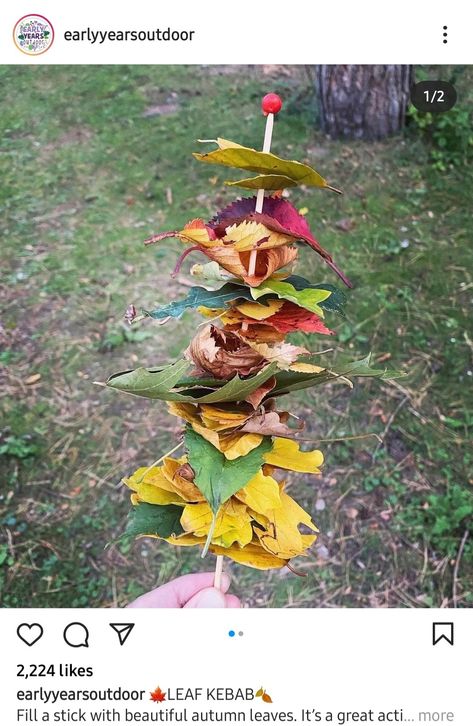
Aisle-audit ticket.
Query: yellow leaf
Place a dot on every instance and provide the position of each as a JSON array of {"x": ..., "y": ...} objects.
[
  {"x": 259, "y": 692},
  {"x": 232, "y": 317},
  {"x": 197, "y": 518},
  {"x": 33, "y": 379},
  {"x": 190, "y": 413},
  {"x": 196, "y": 231},
  {"x": 257, "y": 311},
  {"x": 305, "y": 368},
  {"x": 186, "y": 489},
  {"x": 286, "y": 454},
  {"x": 227, "y": 418},
  {"x": 282, "y": 538},
  {"x": 241, "y": 535},
  {"x": 153, "y": 488},
  {"x": 252, "y": 555},
  {"x": 183, "y": 540},
  {"x": 152, "y": 476},
  {"x": 247, "y": 236},
  {"x": 261, "y": 493},
  {"x": 210, "y": 312},
  {"x": 232, "y": 445},
  {"x": 235, "y": 445},
  {"x": 233, "y": 522}
]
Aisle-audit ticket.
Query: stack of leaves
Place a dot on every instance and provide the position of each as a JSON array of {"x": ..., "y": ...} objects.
[{"x": 227, "y": 493}]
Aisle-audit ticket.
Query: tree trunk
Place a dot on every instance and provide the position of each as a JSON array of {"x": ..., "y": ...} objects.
[{"x": 363, "y": 102}]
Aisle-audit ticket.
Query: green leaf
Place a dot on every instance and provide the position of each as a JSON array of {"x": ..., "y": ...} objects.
[
  {"x": 200, "y": 296},
  {"x": 265, "y": 163},
  {"x": 270, "y": 182},
  {"x": 335, "y": 303},
  {"x": 162, "y": 384},
  {"x": 306, "y": 298},
  {"x": 149, "y": 382},
  {"x": 216, "y": 477},
  {"x": 197, "y": 296},
  {"x": 156, "y": 519},
  {"x": 287, "y": 381}
]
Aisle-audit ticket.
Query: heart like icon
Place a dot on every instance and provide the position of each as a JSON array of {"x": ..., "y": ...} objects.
[{"x": 30, "y": 633}]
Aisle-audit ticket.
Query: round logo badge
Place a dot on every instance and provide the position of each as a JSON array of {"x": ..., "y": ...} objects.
[{"x": 33, "y": 34}]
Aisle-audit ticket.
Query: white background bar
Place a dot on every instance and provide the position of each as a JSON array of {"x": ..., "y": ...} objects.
[
  {"x": 327, "y": 660},
  {"x": 248, "y": 31}
]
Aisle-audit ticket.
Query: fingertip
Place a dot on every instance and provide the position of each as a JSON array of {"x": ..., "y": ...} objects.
[
  {"x": 208, "y": 598},
  {"x": 225, "y": 582},
  {"x": 232, "y": 601}
]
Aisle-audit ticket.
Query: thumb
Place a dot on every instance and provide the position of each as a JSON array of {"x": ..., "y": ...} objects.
[{"x": 208, "y": 598}]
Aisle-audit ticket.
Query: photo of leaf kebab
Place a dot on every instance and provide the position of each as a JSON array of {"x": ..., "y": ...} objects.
[{"x": 345, "y": 492}]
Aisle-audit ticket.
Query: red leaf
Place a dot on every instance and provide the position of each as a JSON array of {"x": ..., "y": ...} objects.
[
  {"x": 158, "y": 695},
  {"x": 278, "y": 215},
  {"x": 291, "y": 317}
]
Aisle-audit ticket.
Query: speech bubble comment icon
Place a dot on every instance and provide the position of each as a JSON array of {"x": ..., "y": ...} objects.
[{"x": 76, "y": 635}]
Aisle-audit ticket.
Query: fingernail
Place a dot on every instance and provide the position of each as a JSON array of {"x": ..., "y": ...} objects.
[{"x": 208, "y": 598}]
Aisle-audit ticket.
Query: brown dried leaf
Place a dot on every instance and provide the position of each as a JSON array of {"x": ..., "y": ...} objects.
[
  {"x": 256, "y": 396},
  {"x": 223, "y": 354},
  {"x": 270, "y": 424}
]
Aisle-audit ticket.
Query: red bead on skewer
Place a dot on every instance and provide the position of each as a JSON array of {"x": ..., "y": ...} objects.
[{"x": 271, "y": 103}]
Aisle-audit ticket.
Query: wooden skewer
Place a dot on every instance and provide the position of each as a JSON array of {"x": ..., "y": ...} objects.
[
  {"x": 218, "y": 572},
  {"x": 271, "y": 105}
]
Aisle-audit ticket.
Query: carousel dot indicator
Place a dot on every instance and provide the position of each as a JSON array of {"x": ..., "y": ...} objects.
[{"x": 231, "y": 633}]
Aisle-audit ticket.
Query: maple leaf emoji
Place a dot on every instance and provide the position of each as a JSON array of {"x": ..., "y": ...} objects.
[{"x": 158, "y": 695}]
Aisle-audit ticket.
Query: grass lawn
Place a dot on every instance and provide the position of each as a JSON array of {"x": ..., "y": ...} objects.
[{"x": 94, "y": 160}]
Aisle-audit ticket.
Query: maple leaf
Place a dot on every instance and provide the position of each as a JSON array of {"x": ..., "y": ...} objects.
[
  {"x": 158, "y": 695},
  {"x": 291, "y": 317}
]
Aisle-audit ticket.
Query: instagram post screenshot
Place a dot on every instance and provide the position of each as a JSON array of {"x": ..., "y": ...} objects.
[{"x": 236, "y": 363}]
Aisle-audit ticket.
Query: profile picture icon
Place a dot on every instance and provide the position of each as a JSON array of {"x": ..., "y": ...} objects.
[{"x": 33, "y": 34}]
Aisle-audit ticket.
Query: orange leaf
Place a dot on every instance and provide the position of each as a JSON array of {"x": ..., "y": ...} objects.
[{"x": 266, "y": 698}]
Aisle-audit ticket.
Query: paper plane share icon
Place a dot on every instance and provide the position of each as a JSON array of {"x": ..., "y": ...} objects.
[{"x": 123, "y": 630}]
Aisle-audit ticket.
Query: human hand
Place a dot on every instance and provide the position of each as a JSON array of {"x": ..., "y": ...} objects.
[{"x": 189, "y": 591}]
